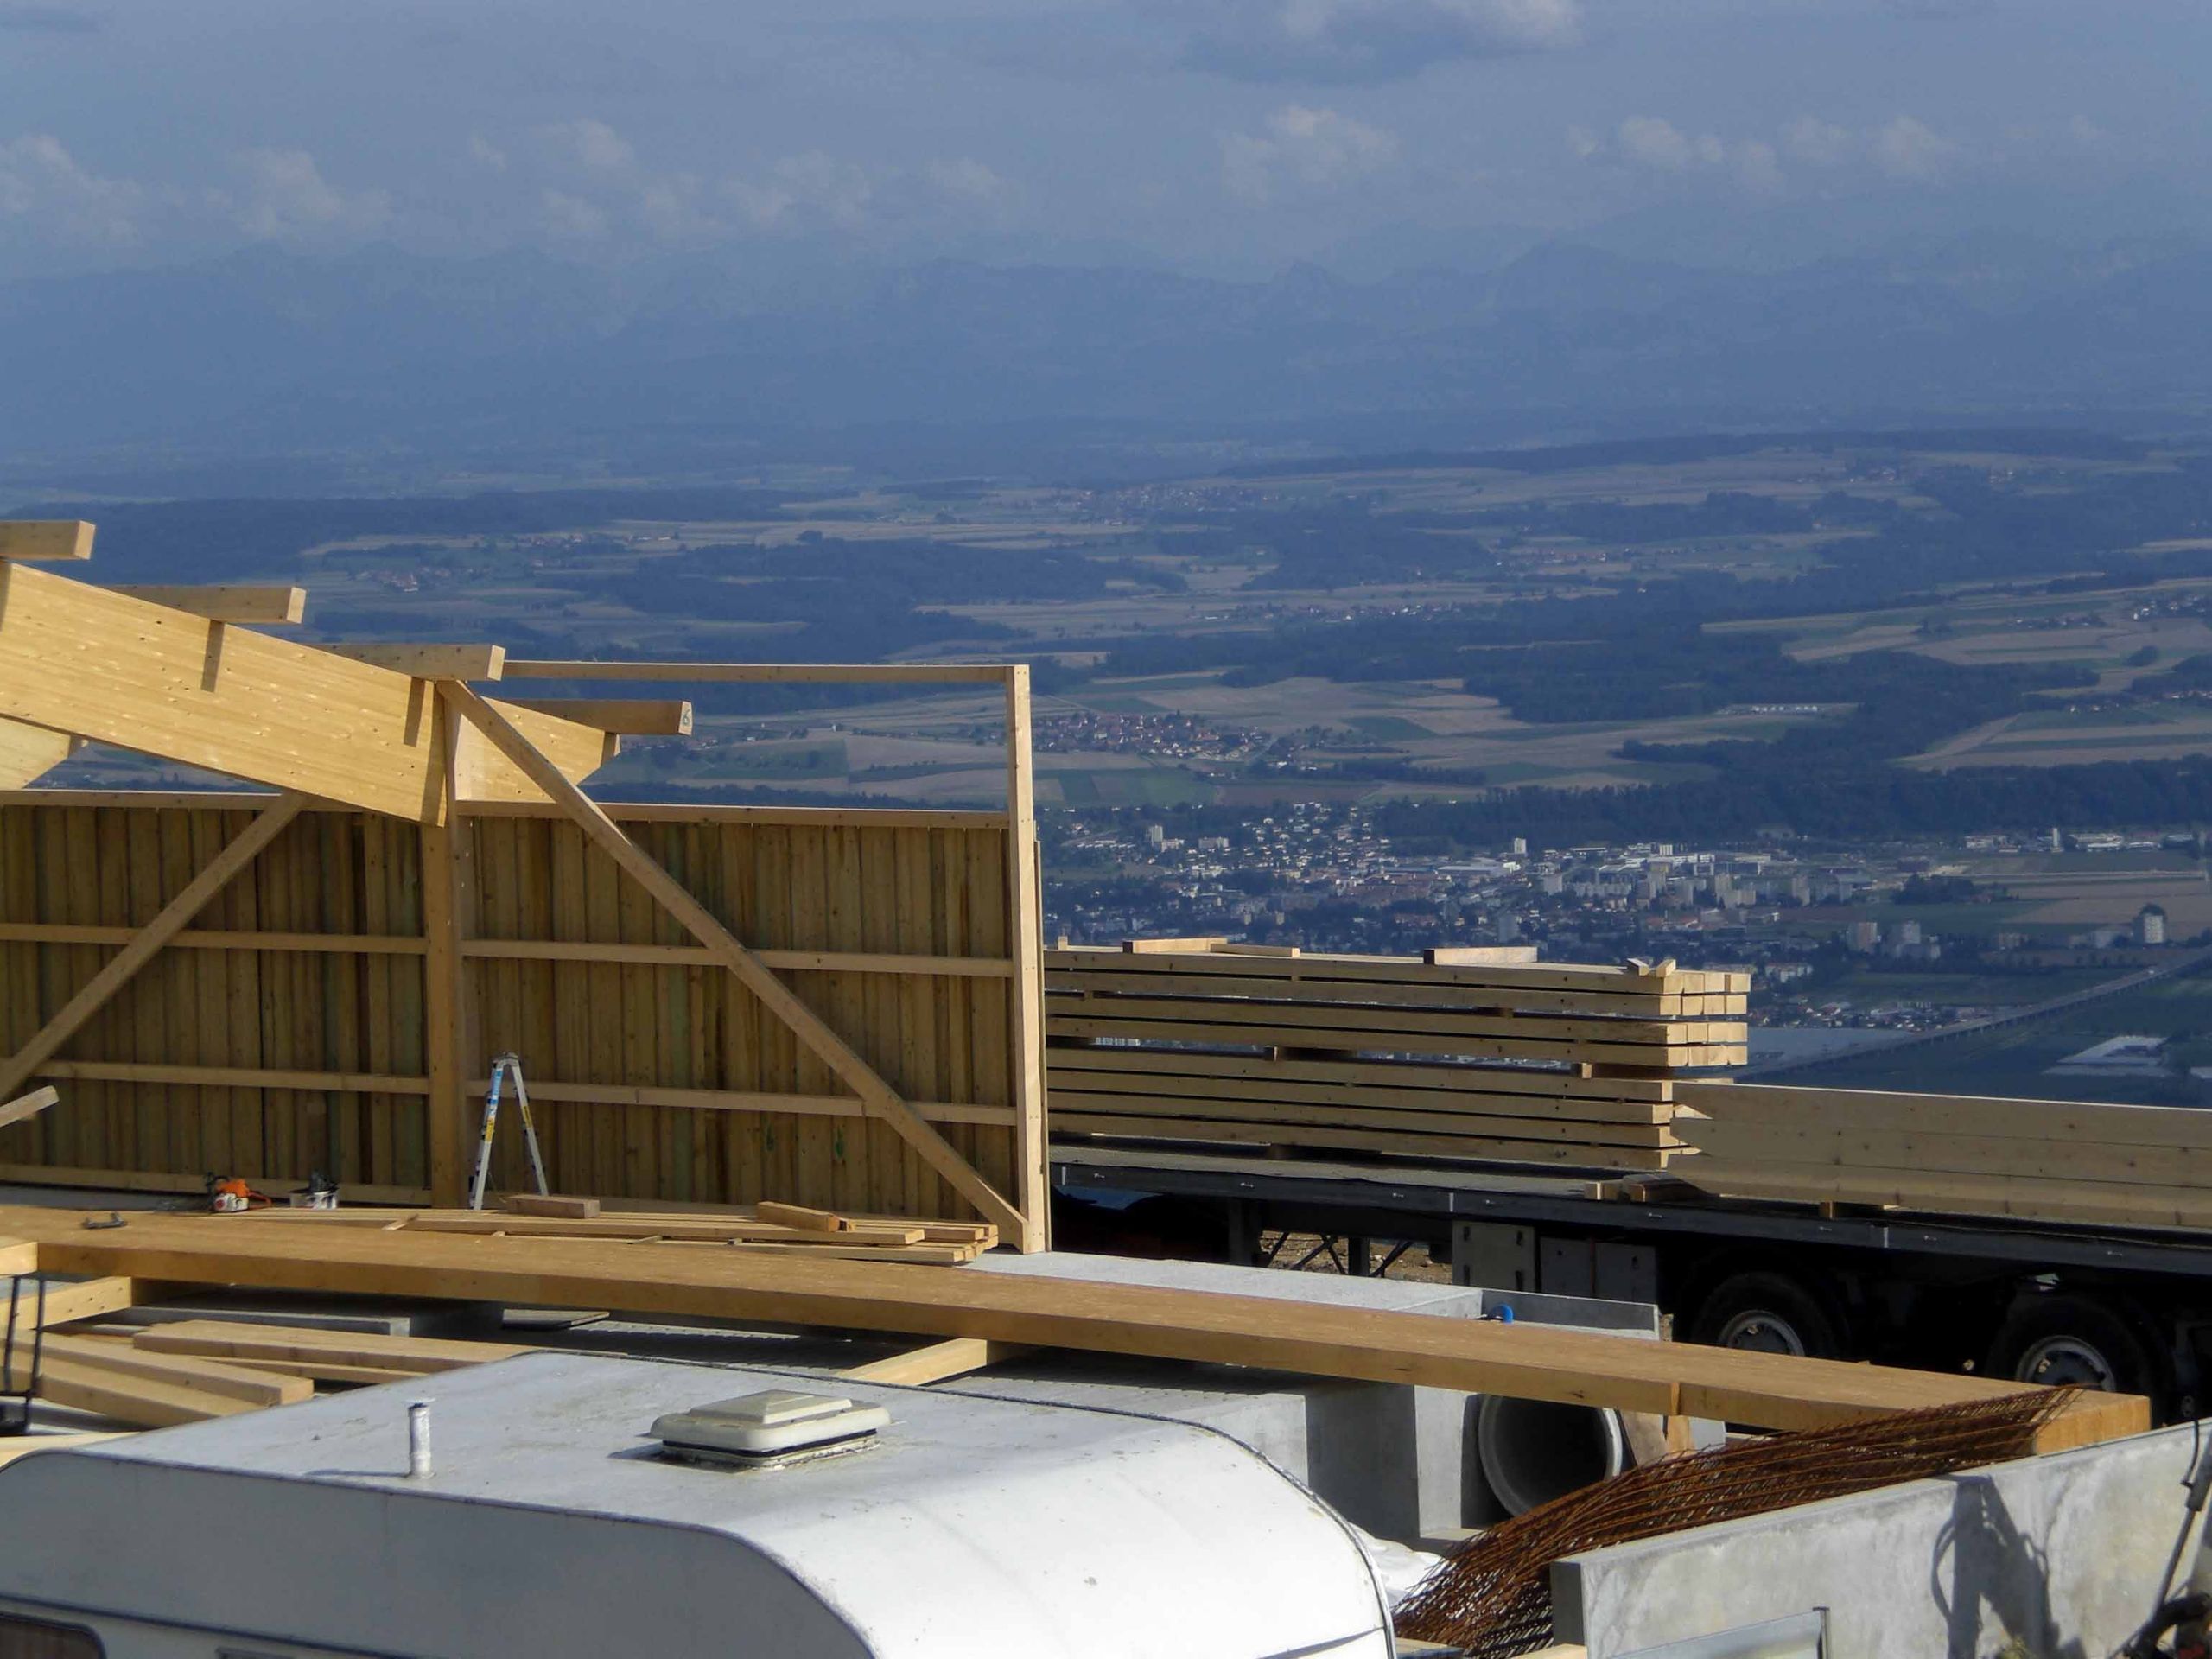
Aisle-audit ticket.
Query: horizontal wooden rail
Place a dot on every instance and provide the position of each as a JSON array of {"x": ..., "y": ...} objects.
[
  {"x": 765, "y": 673},
  {"x": 250, "y": 800},
  {"x": 355, "y": 944},
  {"x": 692, "y": 956},
  {"x": 727, "y": 1100},
  {"x": 234, "y": 1077}
]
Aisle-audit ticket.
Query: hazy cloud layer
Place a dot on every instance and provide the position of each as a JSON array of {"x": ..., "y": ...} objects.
[
  {"x": 1233, "y": 137},
  {"x": 1363, "y": 41}
]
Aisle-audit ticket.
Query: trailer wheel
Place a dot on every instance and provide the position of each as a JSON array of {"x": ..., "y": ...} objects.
[
  {"x": 2065, "y": 1338},
  {"x": 1769, "y": 1313}
]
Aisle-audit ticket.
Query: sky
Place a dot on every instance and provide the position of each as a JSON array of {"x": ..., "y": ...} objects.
[{"x": 1216, "y": 136}]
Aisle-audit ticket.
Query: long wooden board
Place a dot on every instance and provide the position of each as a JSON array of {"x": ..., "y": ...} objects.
[{"x": 713, "y": 1282}]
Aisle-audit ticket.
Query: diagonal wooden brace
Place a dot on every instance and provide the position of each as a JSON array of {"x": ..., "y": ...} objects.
[
  {"x": 146, "y": 943},
  {"x": 879, "y": 1096}
]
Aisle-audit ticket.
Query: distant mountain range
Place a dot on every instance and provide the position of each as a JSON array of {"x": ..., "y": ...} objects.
[{"x": 266, "y": 354}]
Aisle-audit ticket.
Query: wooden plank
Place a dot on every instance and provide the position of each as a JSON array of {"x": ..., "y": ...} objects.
[
  {"x": 202, "y": 939},
  {"x": 711, "y": 1282},
  {"x": 875, "y": 1235},
  {"x": 430, "y": 662},
  {"x": 1952, "y": 1193},
  {"x": 274, "y": 605},
  {"x": 45, "y": 538},
  {"x": 29, "y": 751},
  {"x": 106, "y": 1390},
  {"x": 698, "y": 955},
  {"x": 1372, "y": 1073},
  {"x": 799, "y": 1214},
  {"x": 919, "y": 1367},
  {"x": 1542, "y": 977},
  {"x": 763, "y": 673},
  {"x": 1286, "y": 1031},
  {"x": 18, "y": 1257},
  {"x": 1477, "y": 956},
  {"x": 1286, "y": 1117},
  {"x": 1936, "y": 1156},
  {"x": 234, "y": 1077},
  {"x": 209, "y": 1376},
  {"x": 234, "y": 858},
  {"x": 1405, "y": 992},
  {"x": 625, "y": 716},
  {"x": 257, "y": 1343},
  {"x": 66, "y": 1302},
  {"x": 1348, "y": 1135},
  {"x": 773, "y": 994},
  {"x": 26, "y": 1107},
  {"x": 1330, "y": 1019},
  {"x": 708, "y": 812},
  {"x": 2064, "y": 1121},
  {"x": 1221, "y": 1093},
  {"x": 550, "y": 1203}
]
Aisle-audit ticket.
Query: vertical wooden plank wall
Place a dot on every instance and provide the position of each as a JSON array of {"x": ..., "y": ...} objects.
[{"x": 405, "y": 957}]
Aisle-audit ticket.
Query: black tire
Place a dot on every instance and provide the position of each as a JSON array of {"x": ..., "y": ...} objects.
[
  {"x": 1767, "y": 1313},
  {"x": 2064, "y": 1336}
]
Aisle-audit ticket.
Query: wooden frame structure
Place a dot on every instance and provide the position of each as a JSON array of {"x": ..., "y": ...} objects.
[{"x": 718, "y": 1004}]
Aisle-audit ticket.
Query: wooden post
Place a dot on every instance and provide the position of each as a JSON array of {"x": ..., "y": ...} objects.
[
  {"x": 445, "y": 906},
  {"x": 1026, "y": 944}
]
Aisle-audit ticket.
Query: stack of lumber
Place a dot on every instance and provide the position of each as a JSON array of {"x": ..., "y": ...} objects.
[
  {"x": 2050, "y": 1160},
  {"x": 1439, "y": 1057},
  {"x": 1672, "y": 1379},
  {"x": 763, "y": 1230}
]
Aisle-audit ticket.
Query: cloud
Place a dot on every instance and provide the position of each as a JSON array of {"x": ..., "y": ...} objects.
[
  {"x": 484, "y": 153},
  {"x": 570, "y": 217},
  {"x": 283, "y": 197},
  {"x": 592, "y": 145},
  {"x": 1317, "y": 149},
  {"x": 1649, "y": 141},
  {"x": 1355, "y": 42},
  {"x": 43, "y": 185},
  {"x": 46, "y": 20},
  {"x": 1820, "y": 143},
  {"x": 965, "y": 179},
  {"x": 1656, "y": 144},
  {"x": 1906, "y": 148},
  {"x": 810, "y": 188}
]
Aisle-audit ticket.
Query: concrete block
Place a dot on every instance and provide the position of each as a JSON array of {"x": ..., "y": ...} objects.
[{"x": 2062, "y": 1553}]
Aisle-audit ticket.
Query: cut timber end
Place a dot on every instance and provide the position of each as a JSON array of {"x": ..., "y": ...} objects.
[
  {"x": 18, "y": 1256},
  {"x": 27, "y": 1106},
  {"x": 275, "y": 606},
  {"x": 431, "y": 662},
  {"x": 797, "y": 1215},
  {"x": 30, "y": 751},
  {"x": 918, "y": 1367},
  {"x": 45, "y": 538}
]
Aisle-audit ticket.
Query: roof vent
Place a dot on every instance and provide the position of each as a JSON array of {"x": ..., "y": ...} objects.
[{"x": 770, "y": 1430}]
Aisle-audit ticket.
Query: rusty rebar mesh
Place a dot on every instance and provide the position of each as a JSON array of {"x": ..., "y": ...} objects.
[{"x": 1493, "y": 1595}]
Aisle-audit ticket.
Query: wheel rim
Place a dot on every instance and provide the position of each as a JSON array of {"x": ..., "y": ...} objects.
[
  {"x": 1761, "y": 1331},
  {"x": 2068, "y": 1361}
]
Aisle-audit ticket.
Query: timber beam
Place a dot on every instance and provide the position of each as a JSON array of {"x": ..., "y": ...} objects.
[
  {"x": 626, "y": 716},
  {"x": 83, "y": 661},
  {"x": 45, "y": 538},
  {"x": 275, "y": 606},
  {"x": 430, "y": 662}
]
